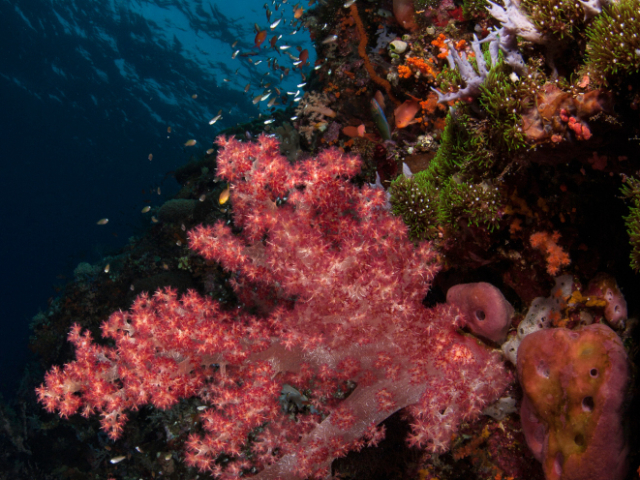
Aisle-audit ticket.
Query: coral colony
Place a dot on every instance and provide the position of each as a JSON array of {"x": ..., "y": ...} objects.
[{"x": 435, "y": 239}]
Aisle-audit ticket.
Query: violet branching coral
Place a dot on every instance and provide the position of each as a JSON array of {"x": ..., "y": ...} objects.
[{"x": 614, "y": 40}]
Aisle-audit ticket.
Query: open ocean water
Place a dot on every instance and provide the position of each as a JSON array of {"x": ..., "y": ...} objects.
[{"x": 88, "y": 90}]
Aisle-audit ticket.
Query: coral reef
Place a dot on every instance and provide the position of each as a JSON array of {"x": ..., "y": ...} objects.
[{"x": 455, "y": 181}]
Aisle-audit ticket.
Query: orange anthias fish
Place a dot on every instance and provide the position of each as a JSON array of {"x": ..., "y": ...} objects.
[
  {"x": 304, "y": 55},
  {"x": 405, "y": 114},
  {"x": 261, "y": 36}
]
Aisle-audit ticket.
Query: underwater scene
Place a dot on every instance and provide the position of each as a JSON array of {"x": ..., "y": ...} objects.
[{"x": 350, "y": 239}]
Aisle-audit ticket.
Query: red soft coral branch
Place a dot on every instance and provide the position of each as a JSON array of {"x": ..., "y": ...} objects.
[{"x": 340, "y": 287}]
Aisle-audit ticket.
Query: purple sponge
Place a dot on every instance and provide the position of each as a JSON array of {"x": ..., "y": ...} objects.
[{"x": 486, "y": 312}]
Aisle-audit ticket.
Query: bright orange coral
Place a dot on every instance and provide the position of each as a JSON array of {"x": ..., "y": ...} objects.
[
  {"x": 548, "y": 244},
  {"x": 404, "y": 71},
  {"x": 439, "y": 42},
  {"x": 419, "y": 64}
]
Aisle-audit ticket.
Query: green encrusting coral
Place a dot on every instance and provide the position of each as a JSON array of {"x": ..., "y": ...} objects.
[
  {"x": 631, "y": 190},
  {"x": 614, "y": 40}
]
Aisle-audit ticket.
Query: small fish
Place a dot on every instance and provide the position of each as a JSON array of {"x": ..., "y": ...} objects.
[
  {"x": 215, "y": 119},
  {"x": 272, "y": 102},
  {"x": 304, "y": 55},
  {"x": 145, "y": 209},
  {"x": 103, "y": 221},
  {"x": 265, "y": 96},
  {"x": 165, "y": 266},
  {"x": 297, "y": 13},
  {"x": 154, "y": 219},
  {"x": 184, "y": 229},
  {"x": 348, "y": 3},
  {"x": 256, "y": 99},
  {"x": 168, "y": 129},
  {"x": 275, "y": 24},
  {"x": 405, "y": 114},
  {"x": 267, "y": 122},
  {"x": 139, "y": 450},
  {"x": 285, "y": 47},
  {"x": 380, "y": 120},
  {"x": 226, "y": 80},
  {"x": 159, "y": 191},
  {"x": 150, "y": 157},
  {"x": 224, "y": 196},
  {"x": 201, "y": 407},
  {"x": 233, "y": 45},
  {"x": 194, "y": 96},
  {"x": 202, "y": 198},
  {"x": 235, "y": 54},
  {"x": 261, "y": 36},
  {"x": 179, "y": 243},
  {"x": 300, "y": 85},
  {"x": 132, "y": 288},
  {"x": 190, "y": 143},
  {"x": 330, "y": 39},
  {"x": 294, "y": 117},
  {"x": 115, "y": 460},
  {"x": 210, "y": 151},
  {"x": 107, "y": 267}
]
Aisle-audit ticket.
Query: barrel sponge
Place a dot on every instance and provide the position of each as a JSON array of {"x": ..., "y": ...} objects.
[
  {"x": 574, "y": 384},
  {"x": 485, "y": 310}
]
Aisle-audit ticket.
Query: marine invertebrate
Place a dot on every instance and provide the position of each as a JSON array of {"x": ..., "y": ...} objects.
[
  {"x": 340, "y": 291},
  {"x": 486, "y": 312},
  {"x": 362, "y": 51},
  {"x": 631, "y": 191},
  {"x": 472, "y": 77},
  {"x": 614, "y": 41},
  {"x": 548, "y": 244},
  {"x": 574, "y": 383},
  {"x": 558, "y": 17}
]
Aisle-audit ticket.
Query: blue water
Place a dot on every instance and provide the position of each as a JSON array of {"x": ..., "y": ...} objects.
[{"x": 87, "y": 91}]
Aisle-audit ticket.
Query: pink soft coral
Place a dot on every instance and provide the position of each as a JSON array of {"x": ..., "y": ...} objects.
[{"x": 340, "y": 288}]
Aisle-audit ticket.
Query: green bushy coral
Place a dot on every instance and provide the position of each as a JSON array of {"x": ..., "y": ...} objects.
[
  {"x": 477, "y": 204},
  {"x": 631, "y": 190},
  {"x": 614, "y": 40},
  {"x": 417, "y": 202},
  {"x": 450, "y": 191},
  {"x": 504, "y": 101},
  {"x": 559, "y": 17},
  {"x": 474, "y": 8}
]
